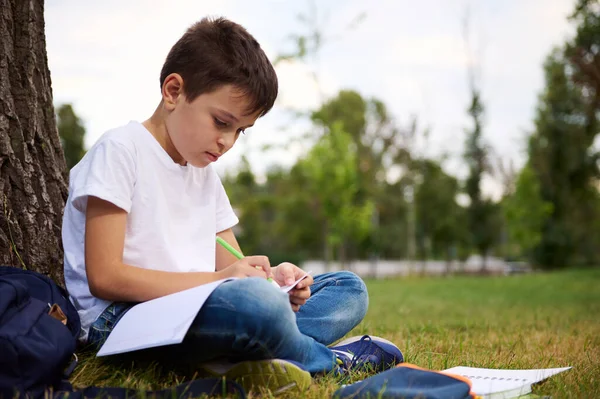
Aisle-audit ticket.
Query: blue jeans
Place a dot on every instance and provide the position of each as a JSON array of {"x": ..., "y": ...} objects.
[{"x": 248, "y": 319}]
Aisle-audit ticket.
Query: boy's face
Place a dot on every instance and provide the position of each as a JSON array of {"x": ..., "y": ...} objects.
[{"x": 206, "y": 128}]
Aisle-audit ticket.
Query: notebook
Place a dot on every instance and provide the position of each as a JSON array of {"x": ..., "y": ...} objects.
[{"x": 503, "y": 384}]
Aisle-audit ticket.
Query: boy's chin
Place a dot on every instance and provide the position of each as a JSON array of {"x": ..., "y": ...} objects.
[{"x": 199, "y": 163}]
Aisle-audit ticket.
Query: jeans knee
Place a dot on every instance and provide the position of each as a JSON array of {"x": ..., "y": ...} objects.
[
  {"x": 249, "y": 316},
  {"x": 360, "y": 295},
  {"x": 262, "y": 302}
]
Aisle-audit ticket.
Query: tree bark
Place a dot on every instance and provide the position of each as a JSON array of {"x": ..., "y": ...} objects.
[{"x": 33, "y": 174}]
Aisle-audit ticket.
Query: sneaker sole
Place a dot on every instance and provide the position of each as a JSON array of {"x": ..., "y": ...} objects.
[{"x": 276, "y": 375}]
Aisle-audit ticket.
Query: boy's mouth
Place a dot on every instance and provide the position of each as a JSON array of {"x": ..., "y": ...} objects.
[{"x": 212, "y": 156}]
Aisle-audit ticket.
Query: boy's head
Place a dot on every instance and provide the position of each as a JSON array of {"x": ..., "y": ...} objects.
[
  {"x": 215, "y": 82},
  {"x": 218, "y": 52}
]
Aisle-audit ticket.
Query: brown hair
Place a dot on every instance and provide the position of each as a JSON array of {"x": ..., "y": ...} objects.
[{"x": 216, "y": 52}]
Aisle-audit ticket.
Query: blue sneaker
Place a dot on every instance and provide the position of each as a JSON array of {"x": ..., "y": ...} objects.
[{"x": 367, "y": 353}]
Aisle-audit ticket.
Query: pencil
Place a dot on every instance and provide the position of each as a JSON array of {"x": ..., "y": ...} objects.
[
  {"x": 228, "y": 247},
  {"x": 235, "y": 252}
]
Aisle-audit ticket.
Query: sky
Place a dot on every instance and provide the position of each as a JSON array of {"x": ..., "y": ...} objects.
[{"x": 105, "y": 59}]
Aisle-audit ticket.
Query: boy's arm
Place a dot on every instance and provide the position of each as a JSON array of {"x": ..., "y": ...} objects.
[
  {"x": 223, "y": 257},
  {"x": 110, "y": 279}
]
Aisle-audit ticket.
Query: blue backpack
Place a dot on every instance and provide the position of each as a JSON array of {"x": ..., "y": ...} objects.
[
  {"x": 35, "y": 346},
  {"x": 39, "y": 327}
]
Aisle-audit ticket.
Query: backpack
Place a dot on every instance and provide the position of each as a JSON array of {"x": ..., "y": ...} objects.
[
  {"x": 39, "y": 327},
  {"x": 35, "y": 346}
]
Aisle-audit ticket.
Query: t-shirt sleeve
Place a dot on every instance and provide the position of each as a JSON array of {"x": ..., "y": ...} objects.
[
  {"x": 226, "y": 217},
  {"x": 108, "y": 172}
]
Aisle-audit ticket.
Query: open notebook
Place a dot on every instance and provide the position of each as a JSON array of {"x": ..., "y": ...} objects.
[{"x": 503, "y": 384}]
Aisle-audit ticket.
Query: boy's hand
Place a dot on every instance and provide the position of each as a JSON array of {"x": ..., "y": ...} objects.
[
  {"x": 285, "y": 274},
  {"x": 249, "y": 266}
]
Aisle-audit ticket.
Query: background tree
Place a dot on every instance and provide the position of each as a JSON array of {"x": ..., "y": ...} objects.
[
  {"x": 526, "y": 213},
  {"x": 72, "y": 134},
  {"x": 244, "y": 193},
  {"x": 32, "y": 166},
  {"x": 561, "y": 154},
  {"x": 331, "y": 171},
  {"x": 439, "y": 218},
  {"x": 381, "y": 145},
  {"x": 290, "y": 209},
  {"x": 554, "y": 213},
  {"x": 480, "y": 211}
]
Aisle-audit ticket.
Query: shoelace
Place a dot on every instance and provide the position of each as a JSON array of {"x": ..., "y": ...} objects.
[
  {"x": 356, "y": 356},
  {"x": 364, "y": 346}
]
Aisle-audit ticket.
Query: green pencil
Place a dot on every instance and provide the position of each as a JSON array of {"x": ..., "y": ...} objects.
[
  {"x": 234, "y": 251},
  {"x": 228, "y": 247}
]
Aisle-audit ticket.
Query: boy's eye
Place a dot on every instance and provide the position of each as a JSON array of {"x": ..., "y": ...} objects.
[
  {"x": 219, "y": 122},
  {"x": 242, "y": 131}
]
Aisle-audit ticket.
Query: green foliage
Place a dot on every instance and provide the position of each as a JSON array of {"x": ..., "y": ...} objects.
[
  {"x": 332, "y": 175},
  {"x": 553, "y": 215},
  {"x": 380, "y": 145},
  {"x": 277, "y": 218},
  {"x": 390, "y": 240},
  {"x": 336, "y": 196},
  {"x": 378, "y": 140},
  {"x": 561, "y": 154},
  {"x": 526, "y": 212},
  {"x": 348, "y": 109},
  {"x": 440, "y": 220},
  {"x": 72, "y": 134},
  {"x": 295, "y": 230},
  {"x": 248, "y": 201}
]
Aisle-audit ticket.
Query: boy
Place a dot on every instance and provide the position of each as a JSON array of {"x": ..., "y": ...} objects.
[{"x": 145, "y": 206}]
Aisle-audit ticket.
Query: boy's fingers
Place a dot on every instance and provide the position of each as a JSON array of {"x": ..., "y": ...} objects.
[
  {"x": 257, "y": 271},
  {"x": 298, "y": 300},
  {"x": 250, "y": 270},
  {"x": 302, "y": 294},
  {"x": 287, "y": 272},
  {"x": 260, "y": 263},
  {"x": 307, "y": 282}
]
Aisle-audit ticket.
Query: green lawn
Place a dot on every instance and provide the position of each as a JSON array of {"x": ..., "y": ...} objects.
[{"x": 527, "y": 321}]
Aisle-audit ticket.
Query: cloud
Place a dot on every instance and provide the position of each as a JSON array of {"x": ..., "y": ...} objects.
[
  {"x": 435, "y": 50},
  {"x": 302, "y": 88}
]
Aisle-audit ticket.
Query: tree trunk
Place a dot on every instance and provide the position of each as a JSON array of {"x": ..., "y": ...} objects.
[{"x": 32, "y": 167}]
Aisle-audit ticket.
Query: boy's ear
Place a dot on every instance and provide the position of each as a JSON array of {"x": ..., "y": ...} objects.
[{"x": 172, "y": 90}]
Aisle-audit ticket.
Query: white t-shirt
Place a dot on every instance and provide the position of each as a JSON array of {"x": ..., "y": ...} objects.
[{"x": 173, "y": 211}]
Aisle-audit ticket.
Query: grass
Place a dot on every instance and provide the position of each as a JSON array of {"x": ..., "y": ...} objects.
[{"x": 527, "y": 321}]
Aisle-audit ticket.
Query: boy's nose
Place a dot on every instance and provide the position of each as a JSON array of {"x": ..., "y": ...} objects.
[{"x": 226, "y": 141}]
